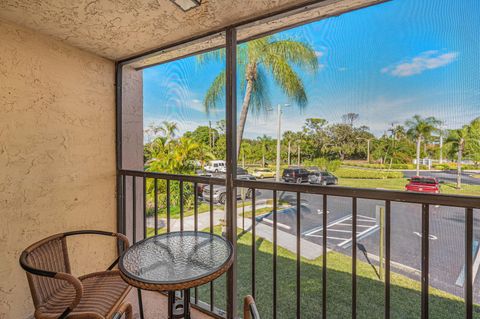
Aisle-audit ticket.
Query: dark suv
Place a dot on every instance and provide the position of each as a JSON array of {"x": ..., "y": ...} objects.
[{"x": 295, "y": 175}]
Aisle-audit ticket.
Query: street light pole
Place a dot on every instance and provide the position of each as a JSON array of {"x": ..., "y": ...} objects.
[
  {"x": 441, "y": 148},
  {"x": 279, "y": 138},
  {"x": 279, "y": 132},
  {"x": 368, "y": 146}
]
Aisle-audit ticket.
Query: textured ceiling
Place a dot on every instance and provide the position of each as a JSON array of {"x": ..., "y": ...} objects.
[
  {"x": 323, "y": 9},
  {"x": 117, "y": 29}
]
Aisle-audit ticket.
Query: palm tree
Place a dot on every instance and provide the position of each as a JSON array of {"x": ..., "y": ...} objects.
[
  {"x": 264, "y": 140},
  {"x": 256, "y": 59},
  {"x": 420, "y": 129},
  {"x": 169, "y": 130},
  {"x": 288, "y": 137},
  {"x": 461, "y": 140}
]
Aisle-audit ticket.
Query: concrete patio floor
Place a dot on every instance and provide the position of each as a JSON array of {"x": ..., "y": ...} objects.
[{"x": 155, "y": 306}]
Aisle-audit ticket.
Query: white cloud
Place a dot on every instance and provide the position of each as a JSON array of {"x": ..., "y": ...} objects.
[
  {"x": 427, "y": 60},
  {"x": 319, "y": 54}
]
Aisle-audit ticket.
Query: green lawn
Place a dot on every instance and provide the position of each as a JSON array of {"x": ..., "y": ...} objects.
[
  {"x": 399, "y": 184},
  {"x": 175, "y": 210},
  {"x": 405, "y": 293}
]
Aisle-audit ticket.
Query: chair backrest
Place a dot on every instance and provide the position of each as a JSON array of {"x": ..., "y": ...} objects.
[
  {"x": 48, "y": 255},
  {"x": 250, "y": 310}
]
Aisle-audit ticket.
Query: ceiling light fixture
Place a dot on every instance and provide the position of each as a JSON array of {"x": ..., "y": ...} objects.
[{"x": 186, "y": 5}]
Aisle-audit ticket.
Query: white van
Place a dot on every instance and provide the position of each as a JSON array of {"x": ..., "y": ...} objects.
[{"x": 218, "y": 166}]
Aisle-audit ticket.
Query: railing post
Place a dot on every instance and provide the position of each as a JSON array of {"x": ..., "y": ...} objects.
[
  {"x": 425, "y": 259},
  {"x": 468, "y": 263},
  {"x": 231, "y": 200}
]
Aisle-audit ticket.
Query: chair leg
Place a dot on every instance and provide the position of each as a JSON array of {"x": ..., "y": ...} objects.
[
  {"x": 140, "y": 303},
  {"x": 124, "y": 309}
]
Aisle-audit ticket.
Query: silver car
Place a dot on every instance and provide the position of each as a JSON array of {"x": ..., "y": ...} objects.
[{"x": 220, "y": 191}]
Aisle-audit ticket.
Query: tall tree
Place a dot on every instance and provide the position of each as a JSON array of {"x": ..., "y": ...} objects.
[
  {"x": 169, "y": 130},
  {"x": 264, "y": 141},
  {"x": 420, "y": 129},
  {"x": 288, "y": 138},
  {"x": 350, "y": 118},
  {"x": 278, "y": 58},
  {"x": 464, "y": 141},
  {"x": 457, "y": 139}
]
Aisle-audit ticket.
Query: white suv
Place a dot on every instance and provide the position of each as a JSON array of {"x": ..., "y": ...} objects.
[{"x": 218, "y": 166}]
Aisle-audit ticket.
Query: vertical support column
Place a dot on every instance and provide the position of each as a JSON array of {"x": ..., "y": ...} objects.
[
  {"x": 324, "y": 257},
  {"x": 231, "y": 203},
  {"x": 118, "y": 149},
  {"x": 354, "y": 258},
  {"x": 298, "y": 264},
  {"x": 130, "y": 136},
  {"x": 468, "y": 263},
  {"x": 425, "y": 259},
  {"x": 387, "y": 226}
]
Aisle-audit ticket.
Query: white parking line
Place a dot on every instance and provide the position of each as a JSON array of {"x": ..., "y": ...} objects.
[
  {"x": 320, "y": 228},
  {"x": 328, "y": 237},
  {"x": 342, "y": 231},
  {"x": 366, "y": 224}
]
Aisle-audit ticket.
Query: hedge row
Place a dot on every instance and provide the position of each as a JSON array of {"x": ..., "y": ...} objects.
[
  {"x": 449, "y": 166},
  {"x": 386, "y": 166},
  {"x": 366, "y": 174}
]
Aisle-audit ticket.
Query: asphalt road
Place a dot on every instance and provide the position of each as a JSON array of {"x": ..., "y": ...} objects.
[
  {"x": 448, "y": 176},
  {"x": 446, "y": 234}
]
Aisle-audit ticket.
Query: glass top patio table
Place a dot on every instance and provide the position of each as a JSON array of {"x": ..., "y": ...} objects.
[{"x": 176, "y": 260}]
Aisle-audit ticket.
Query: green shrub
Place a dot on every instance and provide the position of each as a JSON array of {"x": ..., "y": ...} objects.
[
  {"x": 366, "y": 174},
  {"x": 324, "y": 164},
  {"x": 442, "y": 166}
]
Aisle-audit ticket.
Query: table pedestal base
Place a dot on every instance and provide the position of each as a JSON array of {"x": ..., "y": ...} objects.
[{"x": 179, "y": 308}]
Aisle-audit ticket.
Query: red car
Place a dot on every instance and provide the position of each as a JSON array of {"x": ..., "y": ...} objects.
[{"x": 423, "y": 184}]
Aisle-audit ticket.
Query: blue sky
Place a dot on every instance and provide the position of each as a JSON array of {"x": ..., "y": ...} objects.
[{"x": 387, "y": 63}]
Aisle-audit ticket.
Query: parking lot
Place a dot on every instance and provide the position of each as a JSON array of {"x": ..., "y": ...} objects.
[{"x": 447, "y": 242}]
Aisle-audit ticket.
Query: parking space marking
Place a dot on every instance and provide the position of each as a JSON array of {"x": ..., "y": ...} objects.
[
  {"x": 342, "y": 231},
  {"x": 430, "y": 236},
  {"x": 320, "y": 228},
  {"x": 367, "y": 224}
]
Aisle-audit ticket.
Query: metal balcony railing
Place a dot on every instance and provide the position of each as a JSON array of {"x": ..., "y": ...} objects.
[{"x": 132, "y": 179}]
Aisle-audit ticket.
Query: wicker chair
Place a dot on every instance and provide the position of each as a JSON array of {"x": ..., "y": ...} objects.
[
  {"x": 250, "y": 308},
  {"x": 57, "y": 294}
]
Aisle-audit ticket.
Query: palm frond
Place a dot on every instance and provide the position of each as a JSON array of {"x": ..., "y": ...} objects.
[
  {"x": 215, "y": 55},
  {"x": 215, "y": 93},
  {"x": 298, "y": 53},
  {"x": 286, "y": 78}
]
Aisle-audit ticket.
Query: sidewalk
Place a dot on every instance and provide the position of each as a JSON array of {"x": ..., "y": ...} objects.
[{"x": 285, "y": 240}]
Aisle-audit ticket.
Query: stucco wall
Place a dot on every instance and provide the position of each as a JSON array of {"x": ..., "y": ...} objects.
[{"x": 57, "y": 155}]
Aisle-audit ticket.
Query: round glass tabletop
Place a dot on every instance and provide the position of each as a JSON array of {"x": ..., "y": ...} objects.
[{"x": 176, "y": 258}]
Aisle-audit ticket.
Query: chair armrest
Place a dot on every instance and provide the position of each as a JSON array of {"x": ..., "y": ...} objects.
[
  {"x": 249, "y": 308},
  {"x": 72, "y": 280},
  {"x": 77, "y": 285}
]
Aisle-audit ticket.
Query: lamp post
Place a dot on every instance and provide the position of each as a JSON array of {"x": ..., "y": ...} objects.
[
  {"x": 442, "y": 131},
  {"x": 368, "y": 146},
  {"x": 279, "y": 137}
]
